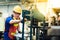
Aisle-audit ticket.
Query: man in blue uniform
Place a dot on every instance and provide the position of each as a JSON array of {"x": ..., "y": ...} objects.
[{"x": 12, "y": 23}]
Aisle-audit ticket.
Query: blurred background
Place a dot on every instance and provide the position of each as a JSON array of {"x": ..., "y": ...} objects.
[{"x": 44, "y": 18}]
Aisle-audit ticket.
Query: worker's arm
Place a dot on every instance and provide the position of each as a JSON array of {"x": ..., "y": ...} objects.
[{"x": 14, "y": 21}]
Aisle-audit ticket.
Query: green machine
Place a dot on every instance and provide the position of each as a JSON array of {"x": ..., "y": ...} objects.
[
  {"x": 34, "y": 16},
  {"x": 37, "y": 15}
]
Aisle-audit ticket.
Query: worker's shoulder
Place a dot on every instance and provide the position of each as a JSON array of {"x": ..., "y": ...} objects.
[{"x": 9, "y": 17}]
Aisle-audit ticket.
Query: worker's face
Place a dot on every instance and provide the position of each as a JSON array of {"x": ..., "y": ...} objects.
[{"x": 16, "y": 15}]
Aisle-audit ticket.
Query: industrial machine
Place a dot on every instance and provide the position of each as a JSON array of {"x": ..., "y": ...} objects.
[{"x": 34, "y": 17}]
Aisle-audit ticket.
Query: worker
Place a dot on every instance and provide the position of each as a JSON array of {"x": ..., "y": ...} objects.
[
  {"x": 1, "y": 26},
  {"x": 12, "y": 23}
]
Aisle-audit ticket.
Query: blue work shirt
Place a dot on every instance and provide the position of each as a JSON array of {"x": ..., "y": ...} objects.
[{"x": 7, "y": 26}]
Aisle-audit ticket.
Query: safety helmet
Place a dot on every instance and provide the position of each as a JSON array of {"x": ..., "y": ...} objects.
[{"x": 17, "y": 9}]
